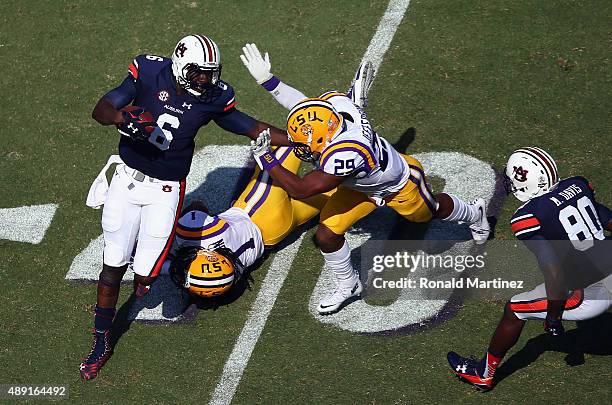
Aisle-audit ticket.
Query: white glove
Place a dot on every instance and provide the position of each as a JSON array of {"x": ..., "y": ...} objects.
[
  {"x": 258, "y": 67},
  {"x": 261, "y": 147}
]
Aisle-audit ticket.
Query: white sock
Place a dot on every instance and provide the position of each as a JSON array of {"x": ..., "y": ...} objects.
[
  {"x": 340, "y": 263},
  {"x": 461, "y": 211}
]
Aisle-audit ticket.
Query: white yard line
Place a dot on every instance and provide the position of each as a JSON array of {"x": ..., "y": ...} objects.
[
  {"x": 238, "y": 359},
  {"x": 385, "y": 32},
  {"x": 245, "y": 344}
]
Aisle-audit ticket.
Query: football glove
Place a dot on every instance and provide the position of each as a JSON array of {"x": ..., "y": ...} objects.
[
  {"x": 138, "y": 124},
  {"x": 554, "y": 327},
  {"x": 258, "y": 66},
  {"x": 260, "y": 148}
]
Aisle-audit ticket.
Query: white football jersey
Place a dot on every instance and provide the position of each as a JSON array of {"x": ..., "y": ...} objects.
[
  {"x": 232, "y": 229},
  {"x": 369, "y": 161}
]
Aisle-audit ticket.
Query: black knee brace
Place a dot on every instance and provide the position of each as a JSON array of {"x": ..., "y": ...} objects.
[{"x": 111, "y": 276}]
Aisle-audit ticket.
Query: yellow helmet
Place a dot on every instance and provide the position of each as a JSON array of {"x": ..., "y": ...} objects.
[
  {"x": 311, "y": 124},
  {"x": 210, "y": 274}
]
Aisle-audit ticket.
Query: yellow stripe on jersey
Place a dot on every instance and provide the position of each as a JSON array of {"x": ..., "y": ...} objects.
[
  {"x": 327, "y": 95},
  {"x": 364, "y": 151}
]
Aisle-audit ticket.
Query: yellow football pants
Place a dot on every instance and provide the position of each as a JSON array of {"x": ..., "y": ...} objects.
[
  {"x": 269, "y": 206},
  {"x": 414, "y": 202},
  {"x": 276, "y": 214}
]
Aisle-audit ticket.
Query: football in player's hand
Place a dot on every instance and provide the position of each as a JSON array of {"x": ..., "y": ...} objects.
[{"x": 138, "y": 123}]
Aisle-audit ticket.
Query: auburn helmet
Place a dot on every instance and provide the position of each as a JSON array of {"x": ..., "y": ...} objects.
[
  {"x": 193, "y": 55},
  {"x": 530, "y": 172},
  {"x": 311, "y": 125}
]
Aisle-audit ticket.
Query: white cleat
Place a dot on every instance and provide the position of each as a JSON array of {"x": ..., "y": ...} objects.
[
  {"x": 339, "y": 298},
  {"x": 481, "y": 228},
  {"x": 361, "y": 84}
]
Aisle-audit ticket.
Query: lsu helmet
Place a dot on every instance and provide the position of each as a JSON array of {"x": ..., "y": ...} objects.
[
  {"x": 530, "y": 172},
  {"x": 193, "y": 55},
  {"x": 311, "y": 125},
  {"x": 205, "y": 273}
]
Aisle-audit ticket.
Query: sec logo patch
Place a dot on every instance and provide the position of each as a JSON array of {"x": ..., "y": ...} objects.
[
  {"x": 163, "y": 95},
  {"x": 166, "y": 188}
]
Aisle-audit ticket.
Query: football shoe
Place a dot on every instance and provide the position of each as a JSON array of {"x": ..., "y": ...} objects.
[
  {"x": 480, "y": 228},
  {"x": 361, "y": 84},
  {"x": 98, "y": 356},
  {"x": 466, "y": 369},
  {"x": 339, "y": 298}
]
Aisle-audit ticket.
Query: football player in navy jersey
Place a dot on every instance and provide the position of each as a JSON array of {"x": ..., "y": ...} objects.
[
  {"x": 563, "y": 225},
  {"x": 158, "y": 108}
]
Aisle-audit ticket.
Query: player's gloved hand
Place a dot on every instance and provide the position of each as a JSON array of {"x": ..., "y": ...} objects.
[
  {"x": 258, "y": 66},
  {"x": 138, "y": 124},
  {"x": 553, "y": 327},
  {"x": 260, "y": 148}
]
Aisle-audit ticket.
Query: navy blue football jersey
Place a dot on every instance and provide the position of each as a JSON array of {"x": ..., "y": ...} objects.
[
  {"x": 179, "y": 118},
  {"x": 567, "y": 212}
]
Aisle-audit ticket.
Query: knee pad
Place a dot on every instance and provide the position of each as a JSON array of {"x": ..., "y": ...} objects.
[{"x": 112, "y": 276}]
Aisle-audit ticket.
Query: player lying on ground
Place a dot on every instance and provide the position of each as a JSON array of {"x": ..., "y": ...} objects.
[
  {"x": 554, "y": 211},
  {"x": 172, "y": 98},
  {"x": 212, "y": 250},
  {"x": 333, "y": 133}
]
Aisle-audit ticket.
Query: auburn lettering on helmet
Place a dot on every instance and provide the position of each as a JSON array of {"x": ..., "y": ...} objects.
[
  {"x": 192, "y": 56},
  {"x": 530, "y": 172},
  {"x": 311, "y": 125}
]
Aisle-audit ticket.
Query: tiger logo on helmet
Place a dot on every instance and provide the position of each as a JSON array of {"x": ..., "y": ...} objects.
[
  {"x": 530, "y": 172},
  {"x": 311, "y": 125},
  {"x": 205, "y": 273},
  {"x": 195, "y": 54}
]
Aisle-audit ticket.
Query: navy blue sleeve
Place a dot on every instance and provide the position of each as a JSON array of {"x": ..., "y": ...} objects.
[
  {"x": 124, "y": 94},
  {"x": 543, "y": 250},
  {"x": 236, "y": 121},
  {"x": 604, "y": 213}
]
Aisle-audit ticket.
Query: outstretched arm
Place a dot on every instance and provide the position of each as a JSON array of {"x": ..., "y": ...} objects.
[
  {"x": 243, "y": 124},
  {"x": 313, "y": 183},
  {"x": 259, "y": 67}
]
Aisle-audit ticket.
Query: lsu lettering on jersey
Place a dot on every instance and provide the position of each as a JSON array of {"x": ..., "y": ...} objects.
[
  {"x": 370, "y": 164},
  {"x": 232, "y": 229},
  {"x": 567, "y": 212},
  {"x": 179, "y": 116}
]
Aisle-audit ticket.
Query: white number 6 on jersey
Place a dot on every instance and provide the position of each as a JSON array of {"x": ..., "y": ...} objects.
[{"x": 161, "y": 137}]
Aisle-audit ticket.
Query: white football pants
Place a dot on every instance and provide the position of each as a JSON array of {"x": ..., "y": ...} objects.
[{"x": 140, "y": 212}]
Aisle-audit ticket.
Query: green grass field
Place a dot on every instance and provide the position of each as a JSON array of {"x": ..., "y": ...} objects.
[{"x": 480, "y": 77}]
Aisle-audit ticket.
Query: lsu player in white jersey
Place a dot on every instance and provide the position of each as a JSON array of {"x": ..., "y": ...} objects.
[
  {"x": 360, "y": 169},
  {"x": 212, "y": 251}
]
